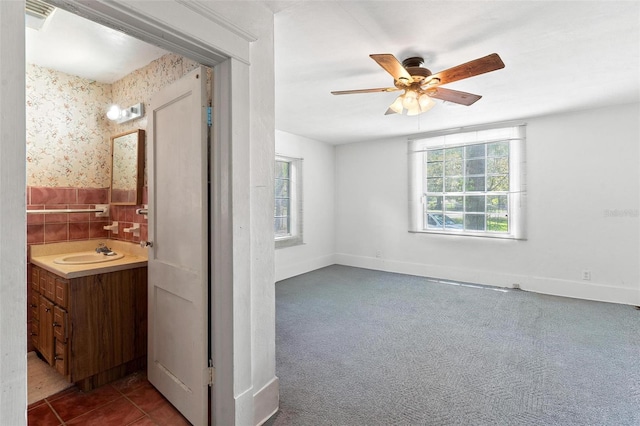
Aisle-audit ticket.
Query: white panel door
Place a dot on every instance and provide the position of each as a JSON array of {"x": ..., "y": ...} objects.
[{"x": 178, "y": 256}]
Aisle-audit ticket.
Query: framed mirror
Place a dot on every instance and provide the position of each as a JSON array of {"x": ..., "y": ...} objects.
[{"x": 127, "y": 167}]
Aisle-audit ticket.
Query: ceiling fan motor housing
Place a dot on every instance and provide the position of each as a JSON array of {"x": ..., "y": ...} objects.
[{"x": 417, "y": 73}]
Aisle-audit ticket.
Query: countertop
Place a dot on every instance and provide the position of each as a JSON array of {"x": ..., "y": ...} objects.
[{"x": 44, "y": 255}]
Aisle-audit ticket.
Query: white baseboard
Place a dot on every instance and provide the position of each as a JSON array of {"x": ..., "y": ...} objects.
[
  {"x": 265, "y": 402},
  {"x": 545, "y": 285},
  {"x": 291, "y": 270}
]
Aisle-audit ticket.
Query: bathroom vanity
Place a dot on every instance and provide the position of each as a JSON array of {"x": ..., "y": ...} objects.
[{"x": 89, "y": 320}]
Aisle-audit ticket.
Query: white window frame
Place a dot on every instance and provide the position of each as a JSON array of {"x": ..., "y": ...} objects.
[
  {"x": 294, "y": 237},
  {"x": 513, "y": 133}
]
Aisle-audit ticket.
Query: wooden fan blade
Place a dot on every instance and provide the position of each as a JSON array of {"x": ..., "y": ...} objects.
[
  {"x": 476, "y": 67},
  {"x": 455, "y": 96},
  {"x": 392, "y": 66},
  {"x": 350, "y": 92}
]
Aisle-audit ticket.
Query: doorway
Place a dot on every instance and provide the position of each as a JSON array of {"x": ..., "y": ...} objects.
[{"x": 78, "y": 93}]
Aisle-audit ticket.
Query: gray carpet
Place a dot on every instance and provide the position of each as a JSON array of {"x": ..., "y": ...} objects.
[{"x": 362, "y": 347}]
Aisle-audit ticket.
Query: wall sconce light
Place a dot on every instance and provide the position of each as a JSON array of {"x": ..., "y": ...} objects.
[{"x": 122, "y": 115}]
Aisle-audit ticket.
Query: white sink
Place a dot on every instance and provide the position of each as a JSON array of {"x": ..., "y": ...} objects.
[{"x": 86, "y": 257}]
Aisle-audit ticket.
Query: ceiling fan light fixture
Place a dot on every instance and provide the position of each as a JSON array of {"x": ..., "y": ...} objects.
[
  {"x": 415, "y": 110},
  {"x": 396, "y": 106},
  {"x": 425, "y": 102},
  {"x": 410, "y": 99}
]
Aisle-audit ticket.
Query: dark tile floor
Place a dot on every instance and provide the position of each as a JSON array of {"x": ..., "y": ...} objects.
[{"x": 130, "y": 401}]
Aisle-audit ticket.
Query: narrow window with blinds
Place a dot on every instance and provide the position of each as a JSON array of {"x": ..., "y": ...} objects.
[
  {"x": 469, "y": 183},
  {"x": 287, "y": 216}
]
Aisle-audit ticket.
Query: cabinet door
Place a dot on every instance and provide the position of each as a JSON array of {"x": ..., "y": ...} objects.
[
  {"x": 46, "y": 329},
  {"x": 60, "y": 324}
]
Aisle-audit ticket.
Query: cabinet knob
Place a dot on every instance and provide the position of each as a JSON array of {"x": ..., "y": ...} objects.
[
  {"x": 33, "y": 305},
  {"x": 47, "y": 309},
  {"x": 34, "y": 334},
  {"x": 58, "y": 357},
  {"x": 55, "y": 324}
]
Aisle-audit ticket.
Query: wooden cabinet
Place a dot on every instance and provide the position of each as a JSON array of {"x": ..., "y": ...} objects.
[
  {"x": 92, "y": 329},
  {"x": 45, "y": 336}
]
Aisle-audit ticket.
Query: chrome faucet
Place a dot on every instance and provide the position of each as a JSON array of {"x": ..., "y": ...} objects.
[{"x": 102, "y": 248}]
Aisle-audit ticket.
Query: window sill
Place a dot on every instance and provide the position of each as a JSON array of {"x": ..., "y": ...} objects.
[
  {"x": 471, "y": 234},
  {"x": 283, "y": 242}
]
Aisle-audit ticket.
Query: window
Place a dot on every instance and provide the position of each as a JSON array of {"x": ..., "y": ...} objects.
[
  {"x": 287, "y": 216},
  {"x": 469, "y": 183}
]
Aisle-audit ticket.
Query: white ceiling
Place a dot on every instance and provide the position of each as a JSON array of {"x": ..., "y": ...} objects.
[
  {"x": 559, "y": 56},
  {"x": 80, "y": 47}
]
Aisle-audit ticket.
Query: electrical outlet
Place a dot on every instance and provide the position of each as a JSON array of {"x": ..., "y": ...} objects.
[
  {"x": 378, "y": 253},
  {"x": 586, "y": 275}
]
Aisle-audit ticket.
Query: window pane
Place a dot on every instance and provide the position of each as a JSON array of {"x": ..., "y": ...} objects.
[
  {"x": 474, "y": 222},
  {"x": 497, "y": 204},
  {"x": 436, "y": 155},
  {"x": 453, "y": 168},
  {"x": 434, "y": 185},
  {"x": 474, "y": 184},
  {"x": 475, "y": 203},
  {"x": 498, "y": 183},
  {"x": 475, "y": 167},
  {"x": 281, "y": 226},
  {"x": 282, "y": 188},
  {"x": 434, "y": 169},
  {"x": 474, "y": 151},
  {"x": 282, "y": 207},
  {"x": 498, "y": 149},
  {"x": 434, "y": 203},
  {"x": 453, "y": 154},
  {"x": 282, "y": 169},
  {"x": 498, "y": 165},
  {"x": 454, "y": 204},
  {"x": 434, "y": 221},
  {"x": 497, "y": 223},
  {"x": 453, "y": 221},
  {"x": 453, "y": 184}
]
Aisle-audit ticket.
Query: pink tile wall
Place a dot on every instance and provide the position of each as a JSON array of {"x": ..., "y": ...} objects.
[
  {"x": 51, "y": 228},
  {"x": 126, "y": 216}
]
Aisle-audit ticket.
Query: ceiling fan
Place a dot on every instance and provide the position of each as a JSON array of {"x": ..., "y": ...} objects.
[{"x": 420, "y": 85}]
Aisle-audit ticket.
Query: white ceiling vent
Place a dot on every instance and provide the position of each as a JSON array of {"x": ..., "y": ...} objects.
[{"x": 37, "y": 13}]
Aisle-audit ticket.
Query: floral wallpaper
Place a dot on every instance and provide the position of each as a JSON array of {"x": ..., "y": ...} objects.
[
  {"x": 67, "y": 130},
  {"x": 68, "y": 133}
]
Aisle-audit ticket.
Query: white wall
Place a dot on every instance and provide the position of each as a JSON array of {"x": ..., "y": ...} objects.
[
  {"x": 13, "y": 291},
  {"x": 318, "y": 206},
  {"x": 583, "y": 201}
]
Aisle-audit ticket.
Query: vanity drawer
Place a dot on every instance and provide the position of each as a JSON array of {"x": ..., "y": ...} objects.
[
  {"x": 62, "y": 292},
  {"x": 59, "y": 324},
  {"x": 33, "y": 305},
  {"x": 61, "y": 358},
  {"x": 35, "y": 279},
  {"x": 47, "y": 284},
  {"x": 42, "y": 279},
  {"x": 51, "y": 287}
]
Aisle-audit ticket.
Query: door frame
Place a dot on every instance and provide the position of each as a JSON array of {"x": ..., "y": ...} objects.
[{"x": 212, "y": 41}]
